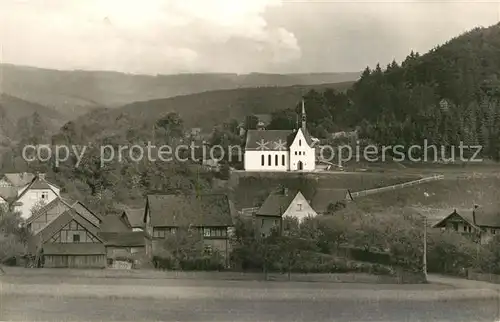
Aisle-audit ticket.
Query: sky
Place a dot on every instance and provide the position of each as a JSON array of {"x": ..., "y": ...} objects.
[{"x": 240, "y": 36}]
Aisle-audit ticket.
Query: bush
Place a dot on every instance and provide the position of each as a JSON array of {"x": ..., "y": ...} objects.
[{"x": 202, "y": 263}]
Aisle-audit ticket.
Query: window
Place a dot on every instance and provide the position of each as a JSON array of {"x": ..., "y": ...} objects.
[
  {"x": 304, "y": 153},
  {"x": 283, "y": 159},
  {"x": 276, "y": 222},
  {"x": 262, "y": 159},
  {"x": 470, "y": 229},
  {"x": 45, "y": 195},
  {"x": 455, "y": 226},
  {"x": 300, "y": 142},
  {"x": 295, "y": 152},
  {"x": 493, "y": 231},
  {"x": 299, "y": 205},
  {"x": 276, "y": 159},
  {"x": 300, "y": 153},
  {"x": 76, "y": 238},
  {"x": 262, "y": 223},
  {"x": 465, "y": 228},
  {"x": 269, "y": 159}
]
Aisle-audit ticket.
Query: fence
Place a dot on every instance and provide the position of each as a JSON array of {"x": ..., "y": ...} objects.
[
  {"x": 483, "y": 277},
  {"x": 396, "y": 186}
]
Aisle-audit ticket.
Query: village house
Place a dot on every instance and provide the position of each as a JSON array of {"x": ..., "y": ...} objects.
[
  {"x": 280, "y": 150},
  {"x": 37, "y": 193},
  {"x": 54, "y": 209},
  {"x": 71, "y": 241},
  {"x": 135, "y": 218},
  {"x": 285, "y": 202},
  {"x": 281, "y": 203},
  {"x": 121, "y": 242},
  {"x": 480, "y": 223},
  {"x": 210, "y": 215}
]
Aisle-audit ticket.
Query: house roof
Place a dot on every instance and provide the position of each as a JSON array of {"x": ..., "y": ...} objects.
[
  {"x": 74, "y": 249},
  {"x": 58, "y": 223},
  {"x": 38, "y": 182},
  {"x": 205, "y": 210},
  {"x": 488, "y": 216},
  {"x": 273, "y": 138},
  {"x": 464, "y": 214},
  {"x": 277, "y": 203},
  {"x": 135, "y": 217},
  {"x": 8, "y": 192},
  {"x": 19, "y": 179},
  {"x": 123, "y": 239},
  {"x": 46, "y": 207},
  {"x": 68, "y": 203},
  {"x": 484, "y": 217},
  {"x": 324, "y": 197},
  {"x": 115, "y": 223}
]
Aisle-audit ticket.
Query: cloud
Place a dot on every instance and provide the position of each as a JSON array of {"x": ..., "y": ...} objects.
[
  {"x": 143, "y": 36},
  {"x": 161, "y": 36}
]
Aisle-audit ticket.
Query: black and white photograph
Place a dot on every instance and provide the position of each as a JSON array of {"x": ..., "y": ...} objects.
[{"x": 250, "y": 160}]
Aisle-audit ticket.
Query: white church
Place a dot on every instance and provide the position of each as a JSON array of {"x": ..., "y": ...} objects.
[{"x": 280, "y": 150}]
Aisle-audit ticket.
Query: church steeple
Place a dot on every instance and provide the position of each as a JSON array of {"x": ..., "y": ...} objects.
[{"x": 303, "y": 117}]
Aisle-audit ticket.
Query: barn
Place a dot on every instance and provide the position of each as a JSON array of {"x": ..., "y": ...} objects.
[{"x": 71, "y": 241}]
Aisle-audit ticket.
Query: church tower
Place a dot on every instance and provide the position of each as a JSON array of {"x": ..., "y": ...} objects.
[{"x": 303, "y": 117}]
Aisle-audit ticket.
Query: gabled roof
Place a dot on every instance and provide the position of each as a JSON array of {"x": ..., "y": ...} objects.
[
  {"x": 46, "y": 207},
  {"x": 205, "y": 210},
  {"x": 124, "y": 239},
  {"x": 464, "y": 214},
  {"x": 8, "y": 192},
  {"x": 480, "y": 217},
  {"x": 38, "y": 182},
  {"x": 68, "y": 203},
  {"x": 277, "y": 203},
  {"x": 58, "y": 223},
  {"x": 271, "y": 137},
  {"x": 115, "y": 223},
  {"x": 324, "y": 197},
  {"x": 488, "y": 216},
  {"x": 135, "y": 217},
  {"x": 19, "y": 179}
]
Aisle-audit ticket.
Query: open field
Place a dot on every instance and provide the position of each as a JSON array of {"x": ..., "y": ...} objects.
[{"x": 124, "y": 299}]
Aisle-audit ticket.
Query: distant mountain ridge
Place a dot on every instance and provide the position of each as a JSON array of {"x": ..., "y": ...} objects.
[
  {"x": 76, "y": 92},
  {"x": 204, "y": 110}
]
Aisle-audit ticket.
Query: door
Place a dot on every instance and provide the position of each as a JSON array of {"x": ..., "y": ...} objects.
[{"x": 300, "y": 165}]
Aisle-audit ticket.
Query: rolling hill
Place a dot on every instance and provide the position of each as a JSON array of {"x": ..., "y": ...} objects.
[
  {"x": 16, "y": 115},
  {"x": 204, "y": 110},
  {"x": 76, "y": 92}
]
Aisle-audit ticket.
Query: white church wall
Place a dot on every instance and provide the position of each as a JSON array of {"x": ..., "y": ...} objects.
[
  {"x": 266, "y": 161},
  {"x": 301, "y": 152}
]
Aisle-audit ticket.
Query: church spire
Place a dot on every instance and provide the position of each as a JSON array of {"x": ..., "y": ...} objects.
[{"x": 303, "y": 117}]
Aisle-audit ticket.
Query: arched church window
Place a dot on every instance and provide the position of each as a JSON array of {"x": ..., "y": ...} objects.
[{"x": 262, "y": 159}]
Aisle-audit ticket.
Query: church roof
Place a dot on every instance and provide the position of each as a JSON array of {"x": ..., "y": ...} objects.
[
  {"x": 256, "y": 139},
  {"x": 272, "y": 139}
]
